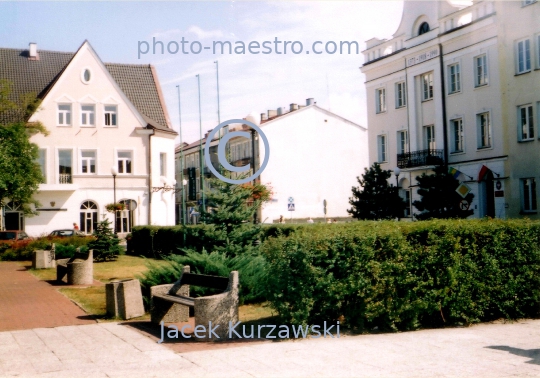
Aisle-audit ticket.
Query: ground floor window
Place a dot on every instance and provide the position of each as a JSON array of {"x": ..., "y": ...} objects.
[
  {"x": 528, "y": 194},
  {"x": 88, "y": 217},
  {"x": 13, "y": 217},
  {"x": 125, "y": 218}
]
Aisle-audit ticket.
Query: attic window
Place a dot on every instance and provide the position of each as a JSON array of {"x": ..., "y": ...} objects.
[
  {"x": 424, "y": 28},
  {"x": 86, "y": 75}
]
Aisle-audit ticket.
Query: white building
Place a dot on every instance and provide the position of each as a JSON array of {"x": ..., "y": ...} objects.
[
  {"x": 443, "y": 90},
  {"x": 315, "y": 155},
  {"x": 99, "y": 116}
]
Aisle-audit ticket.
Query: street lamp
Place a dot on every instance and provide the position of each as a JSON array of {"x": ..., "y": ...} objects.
[
  {"x": 397, "y": 171},
  {"x": 114, "y": 172}
]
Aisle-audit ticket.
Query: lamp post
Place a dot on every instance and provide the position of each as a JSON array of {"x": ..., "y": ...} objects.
[
  {"x": 114, "y": 172},
  {"x": 397, "y": 171}
]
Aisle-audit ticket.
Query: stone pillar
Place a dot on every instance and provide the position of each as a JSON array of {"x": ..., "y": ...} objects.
[
  {"x": 81, "y": 271},
  {"x": 124, "y": 299}
]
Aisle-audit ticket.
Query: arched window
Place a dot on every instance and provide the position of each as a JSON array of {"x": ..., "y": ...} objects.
[
  {"x": 89, "y": 217},
  {"x": 125, "y": 218},
  {"x": 14, "y": 217},
  {"x": 424, "y": 28}
]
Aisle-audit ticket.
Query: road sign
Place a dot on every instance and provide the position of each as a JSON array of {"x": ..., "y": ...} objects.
[
  {"x": 464, "y": 205},
  {"x": 324, "y": 206},
  {"x": 291, "y": 200},
  {"x": 463, "y": 190},
  {"x": 290, "y": 207}
]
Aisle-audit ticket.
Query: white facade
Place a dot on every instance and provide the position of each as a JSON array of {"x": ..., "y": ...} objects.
[
  {"x": 448, "y": 59},
  {"x": 315, "y": 155},
  {"x": 100, "y": 129}
]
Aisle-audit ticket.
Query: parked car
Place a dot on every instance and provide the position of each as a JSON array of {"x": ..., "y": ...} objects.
[
  {"x": 66, "y": 233},
  {"x": 20, "y": 238}
]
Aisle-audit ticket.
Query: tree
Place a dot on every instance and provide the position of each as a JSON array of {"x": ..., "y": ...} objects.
[
  {"x": 106, "y": 244},
  {"x": 439, "y": 196},
  {"x": 231, "y": 210},
  {"x": 20, "y": 175},
  {"x": 377, "y": 199}
]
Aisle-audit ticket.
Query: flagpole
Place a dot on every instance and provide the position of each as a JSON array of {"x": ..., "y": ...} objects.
[
  {"x": 181, "y": 159},
  {"x": 201, "y": 173}
]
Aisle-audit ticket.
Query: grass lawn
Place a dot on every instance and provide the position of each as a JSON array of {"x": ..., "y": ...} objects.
[{"x": 92, "y": 299}]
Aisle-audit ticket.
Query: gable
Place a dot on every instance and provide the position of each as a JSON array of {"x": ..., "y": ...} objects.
[{"x": 137, "y": 82}]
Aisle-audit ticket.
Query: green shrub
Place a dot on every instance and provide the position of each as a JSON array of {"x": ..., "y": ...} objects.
[
  {"x": 251, "y": 270},
  {"x": 406, "y": 275},
  {"x": 24, "y": 253}
]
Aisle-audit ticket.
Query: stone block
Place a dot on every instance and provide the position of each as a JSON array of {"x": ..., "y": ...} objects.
[
  {"x": 124, "y": 299},
  {"x": 42, "y": 259}
]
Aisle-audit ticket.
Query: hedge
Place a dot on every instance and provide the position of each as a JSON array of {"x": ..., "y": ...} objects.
[
  {"x": 160, "y": 241},
  {"x": 65, "y": 247},
  {"x": 401, "y": 276}
]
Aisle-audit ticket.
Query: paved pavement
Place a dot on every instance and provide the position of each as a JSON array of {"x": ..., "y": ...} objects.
[
  {"x": 116, "y": 350},
  {"x": 26, "y": 302}
]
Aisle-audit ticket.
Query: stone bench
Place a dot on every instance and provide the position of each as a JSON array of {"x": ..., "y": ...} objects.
[
  {"x": 170, "y": 303},
  {"x": 79, "y": 269}
]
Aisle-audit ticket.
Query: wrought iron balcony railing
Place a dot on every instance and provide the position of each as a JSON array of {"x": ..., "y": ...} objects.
[{"x": 420, "y": 158}]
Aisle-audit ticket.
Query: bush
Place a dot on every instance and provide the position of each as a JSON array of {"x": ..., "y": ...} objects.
[
  {"x": 402, "y": 276},
  {"x": 251, "y": 270},
  {"x": 24, "y": 253}
]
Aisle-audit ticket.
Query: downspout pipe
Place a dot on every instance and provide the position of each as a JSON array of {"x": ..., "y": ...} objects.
[
  {"x": 443, "y": 103},
  {"x": 150, "y": 177}
]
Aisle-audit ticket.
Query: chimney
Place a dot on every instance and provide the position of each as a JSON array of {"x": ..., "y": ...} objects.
[
  {"x": 32, "y": 51},
  {"x": 294, "y": 107},
  {"x": 272, "y": 113},
  {"x": 263, "y": 117},
  {"x": 279, "y": 111},
  {"x": 310, "y": 101}
]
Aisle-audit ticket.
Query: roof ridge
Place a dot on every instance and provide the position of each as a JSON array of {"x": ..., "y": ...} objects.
[
  {"x": 128, "y": 64},
  {"x": 51, "y": 51}
]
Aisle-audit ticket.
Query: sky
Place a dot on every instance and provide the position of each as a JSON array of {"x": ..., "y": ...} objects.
[{"x": 248, "y": 83}]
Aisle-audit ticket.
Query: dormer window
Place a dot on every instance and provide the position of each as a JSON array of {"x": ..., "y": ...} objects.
[{"x": 424, "y": 28}]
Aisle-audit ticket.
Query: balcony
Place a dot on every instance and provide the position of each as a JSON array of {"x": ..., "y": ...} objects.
[
  {"x": 65, "y": 178},
  {"x": 420, "y": 158}
]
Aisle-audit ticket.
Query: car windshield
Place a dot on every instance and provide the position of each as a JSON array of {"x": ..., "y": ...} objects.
[{"x": 8, "y": 235}]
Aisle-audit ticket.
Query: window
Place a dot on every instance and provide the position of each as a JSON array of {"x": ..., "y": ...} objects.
[
  {"x": 64, "y": 115},
  {"x": 401, "y": 96},
  {"x": 427, "y": 85},
  {"x": 86, "y": 76},
  {"x": 163, "y": 164},
  {"x": 527, "y": 2},
  {"x": 111, "y": 112},
  {"x": 88, "y": 162},
  {"x": 424, "y": 28},
  {"x": 429, "y": 137},
  {"x": 481, "y": 71},
  {"x": 88, "y": 113},
  {"x": 88, "y": 217},
  {"x": 405, "y": 194},
  {"x": 380, "y": 99},
  {"x": 484, "y": 130},
  {"x": 124, "y": 161},
  {"x": 64, "y": 166},
  {"x": 381, "y": 143},
  {"x": 523, "y": 56},
  {"x": 124, "y": 218},
  {"x": 454, "y": 78},
  {"x": 403, "y": 142},
  {"x": 525, "y": 122},
  {"x": 457, "y": 135},
  {"x": 528, "y": 194},
  {"x": 42, "y": 161}
]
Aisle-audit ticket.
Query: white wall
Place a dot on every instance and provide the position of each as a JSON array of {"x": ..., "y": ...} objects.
[{"x": 314, "y": 156}]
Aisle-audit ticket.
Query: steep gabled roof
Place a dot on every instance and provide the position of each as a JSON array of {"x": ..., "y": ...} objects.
[{"x": 137, "y": 81}]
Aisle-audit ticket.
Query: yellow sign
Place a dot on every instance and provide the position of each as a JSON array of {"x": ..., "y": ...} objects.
[{"x": 463, "y": 190}]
